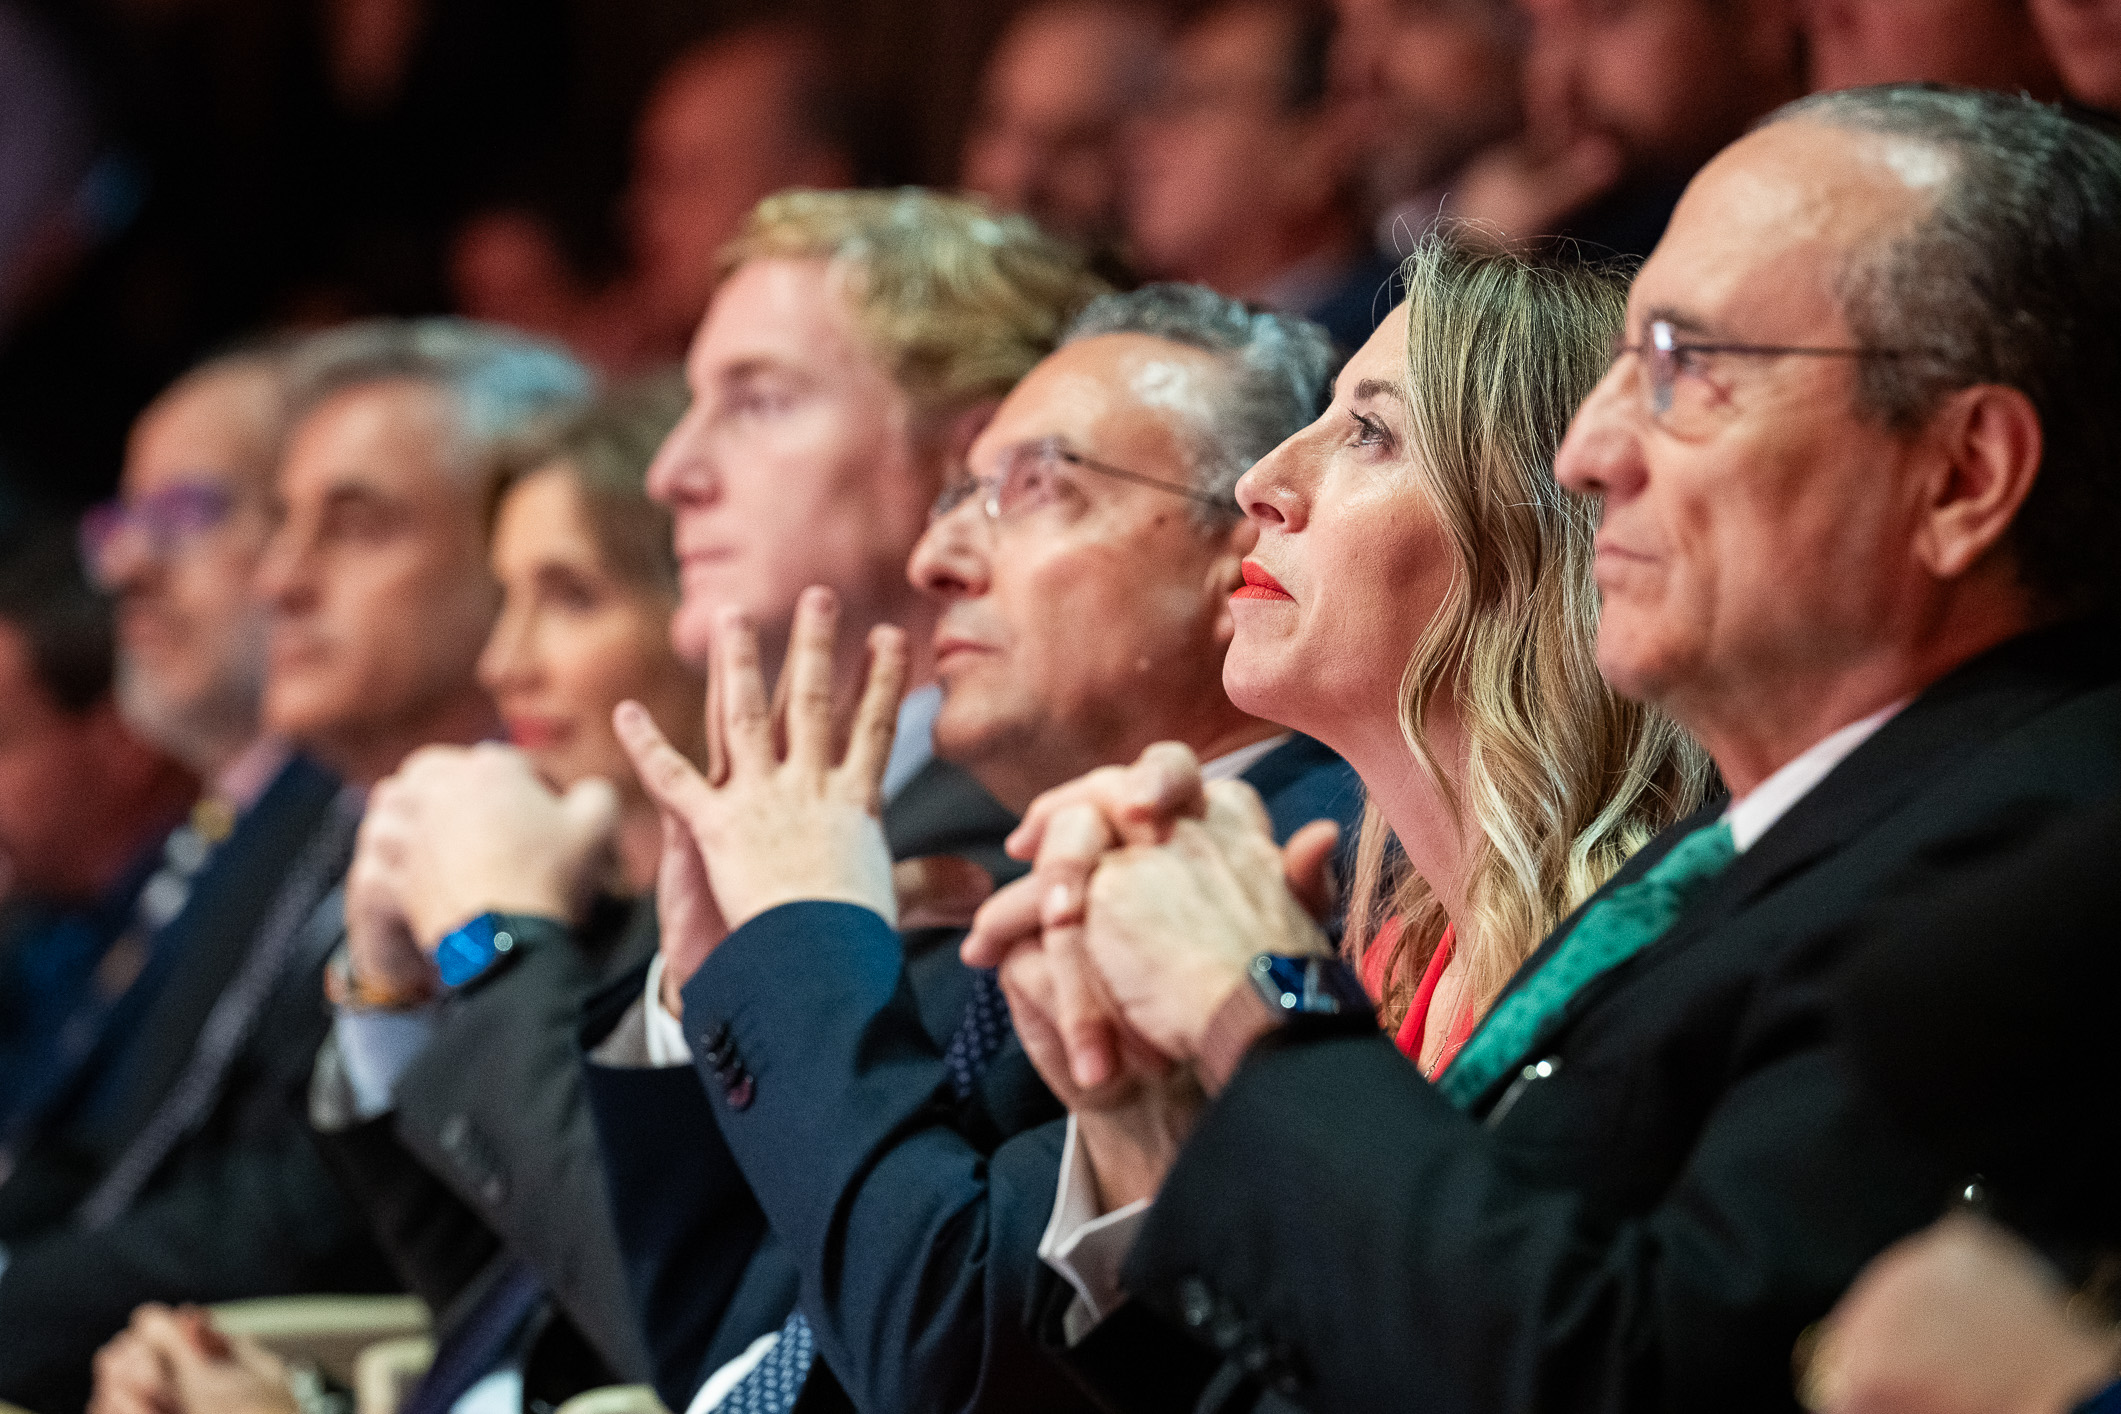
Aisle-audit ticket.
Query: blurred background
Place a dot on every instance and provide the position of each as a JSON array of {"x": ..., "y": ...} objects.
[{"x": 180, "y": 175}]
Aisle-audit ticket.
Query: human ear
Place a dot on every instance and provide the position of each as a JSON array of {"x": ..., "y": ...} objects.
[{"x": 1989, "y": 442}]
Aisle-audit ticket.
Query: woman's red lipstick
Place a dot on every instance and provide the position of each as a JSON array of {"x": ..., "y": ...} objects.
[{"x": 1261, "y": 585}]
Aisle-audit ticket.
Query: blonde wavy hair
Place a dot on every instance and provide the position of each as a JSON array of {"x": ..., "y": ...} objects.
[
  {"x": 1564, "y": 777},
  {"x": 957, "y": 301}
]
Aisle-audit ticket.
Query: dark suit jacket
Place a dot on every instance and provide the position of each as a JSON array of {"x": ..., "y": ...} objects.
[
  {"x": 244, "y": 1206},
  {"x": 705, "y": 1277},
  {"x": 915, "y": 1222},
  {"x": 489, "y": 1153},
  {"x": 1981, "y": 1016},
  {"x": 1648, "y": 1222}
]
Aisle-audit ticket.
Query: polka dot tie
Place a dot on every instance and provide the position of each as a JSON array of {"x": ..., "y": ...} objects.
[{"x": 980, "y": 1033}]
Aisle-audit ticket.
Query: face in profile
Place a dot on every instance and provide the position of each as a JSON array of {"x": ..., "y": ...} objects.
[
  {"x": 181, "y": 551},
  {"x": 376, "y": 576},
  {"x": 1351, "y": 562},
  {"x": 1759, "y": 527},
  {"x": 575, "y": 638},
  {"x": 1090, "y": 619},
  {"x": 796, "y": 463}
]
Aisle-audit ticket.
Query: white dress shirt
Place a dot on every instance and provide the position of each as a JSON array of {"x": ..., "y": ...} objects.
[{"x": 1086, "y": 1247}]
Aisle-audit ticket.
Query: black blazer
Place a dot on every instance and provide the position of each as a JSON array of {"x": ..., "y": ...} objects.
[
  {"x": 705, "y": 1278},
  {"x": 913, "y": 1221},
  {"x": 489, "y": 1153},
  {"x": 244, "y": 1206},
  {"x": 1650, "y": 1220}
]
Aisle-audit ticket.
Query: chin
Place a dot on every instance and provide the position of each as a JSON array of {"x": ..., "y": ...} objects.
[{"x": 1256, "y": 685}]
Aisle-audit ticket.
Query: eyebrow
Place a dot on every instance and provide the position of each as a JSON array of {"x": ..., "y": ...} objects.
[
  {"x": 1684, "y": 322},
  {"x": 1379, "y": 388}
]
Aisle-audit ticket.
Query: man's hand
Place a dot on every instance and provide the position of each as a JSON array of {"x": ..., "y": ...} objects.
[
  {"x": 482, "y": 834},
  {"x": 1069, "y": 831},
  {"x": 1959, "y": 1319},
  {"x": 777, "y": 827},
  {"x": 174, "y": 1362},
  {"x": 1172, "y": 929}
]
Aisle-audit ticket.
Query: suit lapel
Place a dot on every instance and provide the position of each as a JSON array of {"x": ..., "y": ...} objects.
[{"x": 1944, "y": 728}]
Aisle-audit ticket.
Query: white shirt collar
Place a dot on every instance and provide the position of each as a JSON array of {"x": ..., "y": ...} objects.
[
  {"x": 1755, "y": 813},
  {"x": 914, "y": 745},
  {"x": 1232, "y": 764}
]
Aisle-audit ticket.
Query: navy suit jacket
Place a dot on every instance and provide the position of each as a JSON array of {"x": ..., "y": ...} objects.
[
  {"x": 706, "y": 1277},
  {"x": 913, "y": 1221}
]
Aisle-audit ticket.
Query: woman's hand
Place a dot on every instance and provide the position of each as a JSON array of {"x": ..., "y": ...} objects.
[
  {"x": 775, "y": 826},
  {"x": 173, "y": 1361}
]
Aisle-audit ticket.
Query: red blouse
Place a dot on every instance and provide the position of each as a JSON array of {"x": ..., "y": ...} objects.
[{"x": 1416, "y": 1024}]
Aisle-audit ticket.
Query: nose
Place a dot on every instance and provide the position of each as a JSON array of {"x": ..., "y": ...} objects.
[
  {"x": 509, "y": 661},
  {"x": 124, "y": 559},
  {"x": 1274, "y": 493},
  {"x": 286, "y": 580},
  {"x": 951, "y": 560},
  {"x": 1602, "y": 453},
  {"x": 683, "y": 470}
]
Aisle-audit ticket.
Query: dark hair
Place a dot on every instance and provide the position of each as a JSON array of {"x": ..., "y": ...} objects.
[
  {"x": 2012, "y": 276},
  {"x": 67, "y": 625},
  {"x": 1281, "y": 370},
  {"x": 605, "y": 451}
]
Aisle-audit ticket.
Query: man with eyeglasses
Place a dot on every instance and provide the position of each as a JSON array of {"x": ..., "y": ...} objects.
[
  {"x": 1082, "y": 565},
  {"x": 178, "y": 551},
  {"x": 1860, "y": 466}
]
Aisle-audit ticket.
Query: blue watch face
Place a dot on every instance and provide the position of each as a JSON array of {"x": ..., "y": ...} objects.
[
  {"x": 1308, "y": 986},
  {"x": 471, "y": 949}
]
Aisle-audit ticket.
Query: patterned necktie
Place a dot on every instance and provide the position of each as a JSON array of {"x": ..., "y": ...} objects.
[
  {"x": 304, "y": 921},
  {"x": 1612, "y": 930},
  {"x": 774, "y": 1383}
]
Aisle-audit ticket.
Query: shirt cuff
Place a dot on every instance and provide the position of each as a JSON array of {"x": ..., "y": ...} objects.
[
  {"x": 722, "y": 1381},
  {"x": 647, "y": 1037},
  {"x": 1087, "y": 1248},
  {"x": 376, "y": 1048}
]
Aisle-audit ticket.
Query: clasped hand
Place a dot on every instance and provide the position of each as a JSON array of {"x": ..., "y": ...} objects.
[
  {"x": 771, "y": 822},
  {"x": 461, "y": 831},
  {"x": 1150, "y": 894}
]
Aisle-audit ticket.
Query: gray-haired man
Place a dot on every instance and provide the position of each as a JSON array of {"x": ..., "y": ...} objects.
[
  {"x": 379, "y": 601},
  {"x": 1084, "y": 567}
]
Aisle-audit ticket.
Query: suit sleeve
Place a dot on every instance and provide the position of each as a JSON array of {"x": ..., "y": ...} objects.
[
  {"x": 917, "y": 1245},
  {"x": 1339, "y": 1230}
]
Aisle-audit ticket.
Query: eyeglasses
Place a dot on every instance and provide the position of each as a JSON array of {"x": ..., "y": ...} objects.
[
  {"x": 167, "y": 520},
  {"x": 1031, "y": 475},
  {"x": 1677, "y": 393}
]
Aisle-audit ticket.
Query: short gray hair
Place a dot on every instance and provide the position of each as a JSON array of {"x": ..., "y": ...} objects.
[
  {"x": 1280, "y": 371},
  {"x": 503, "y": 387},
  {"x": 2013, "y": 276}
]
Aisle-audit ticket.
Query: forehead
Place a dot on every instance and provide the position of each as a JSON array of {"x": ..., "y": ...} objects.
[
  {"x": 1237, "y": 40},
  {"x": 1758, "y": 245},
  {"x": 1107, "y": 393},
  {"x": 542, "y": 517},
  {"x": 1382, "y": 357},
  {"x": 216, "y": 429},
  {"x": 392, "y": 439},
  {"x": 787, "y": 313}
]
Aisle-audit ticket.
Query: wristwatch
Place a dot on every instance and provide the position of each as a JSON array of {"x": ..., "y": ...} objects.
[
  {"x": 1296, "y": 996},
  {"x": 471, "y": 949}
]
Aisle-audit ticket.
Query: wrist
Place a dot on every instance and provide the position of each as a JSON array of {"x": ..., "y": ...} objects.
[
  {"x": 1233, "y": 1029},
  {"x": 347, "y": 984}
]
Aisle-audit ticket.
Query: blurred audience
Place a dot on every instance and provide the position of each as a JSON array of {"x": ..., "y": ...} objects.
[
  {"x": 401, "y": 1096},
  {"x": 84, "y": 806},
  {"x": 1888, "y": 667},
  {"x": 1063, "y": 83},
  {"x": 2084, "y": 39},
  {"x": 1622, "y": 103},
  {"x": 733, "y": 119},
  {"x": 178, "y": 551},
  {"x": 1979, "y": 43},
  {"x": 378, "y": 527},
  {"x": 47, "y": 144},
  {"x": 1243, "y": 172},
  {"x": 1438, "y": 81}
]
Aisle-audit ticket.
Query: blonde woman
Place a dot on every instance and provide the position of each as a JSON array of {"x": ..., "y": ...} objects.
[{"x": 1420, "y": 600}]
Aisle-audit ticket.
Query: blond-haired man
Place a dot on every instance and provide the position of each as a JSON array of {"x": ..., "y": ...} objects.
[{"x": 857, "y": 343}]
